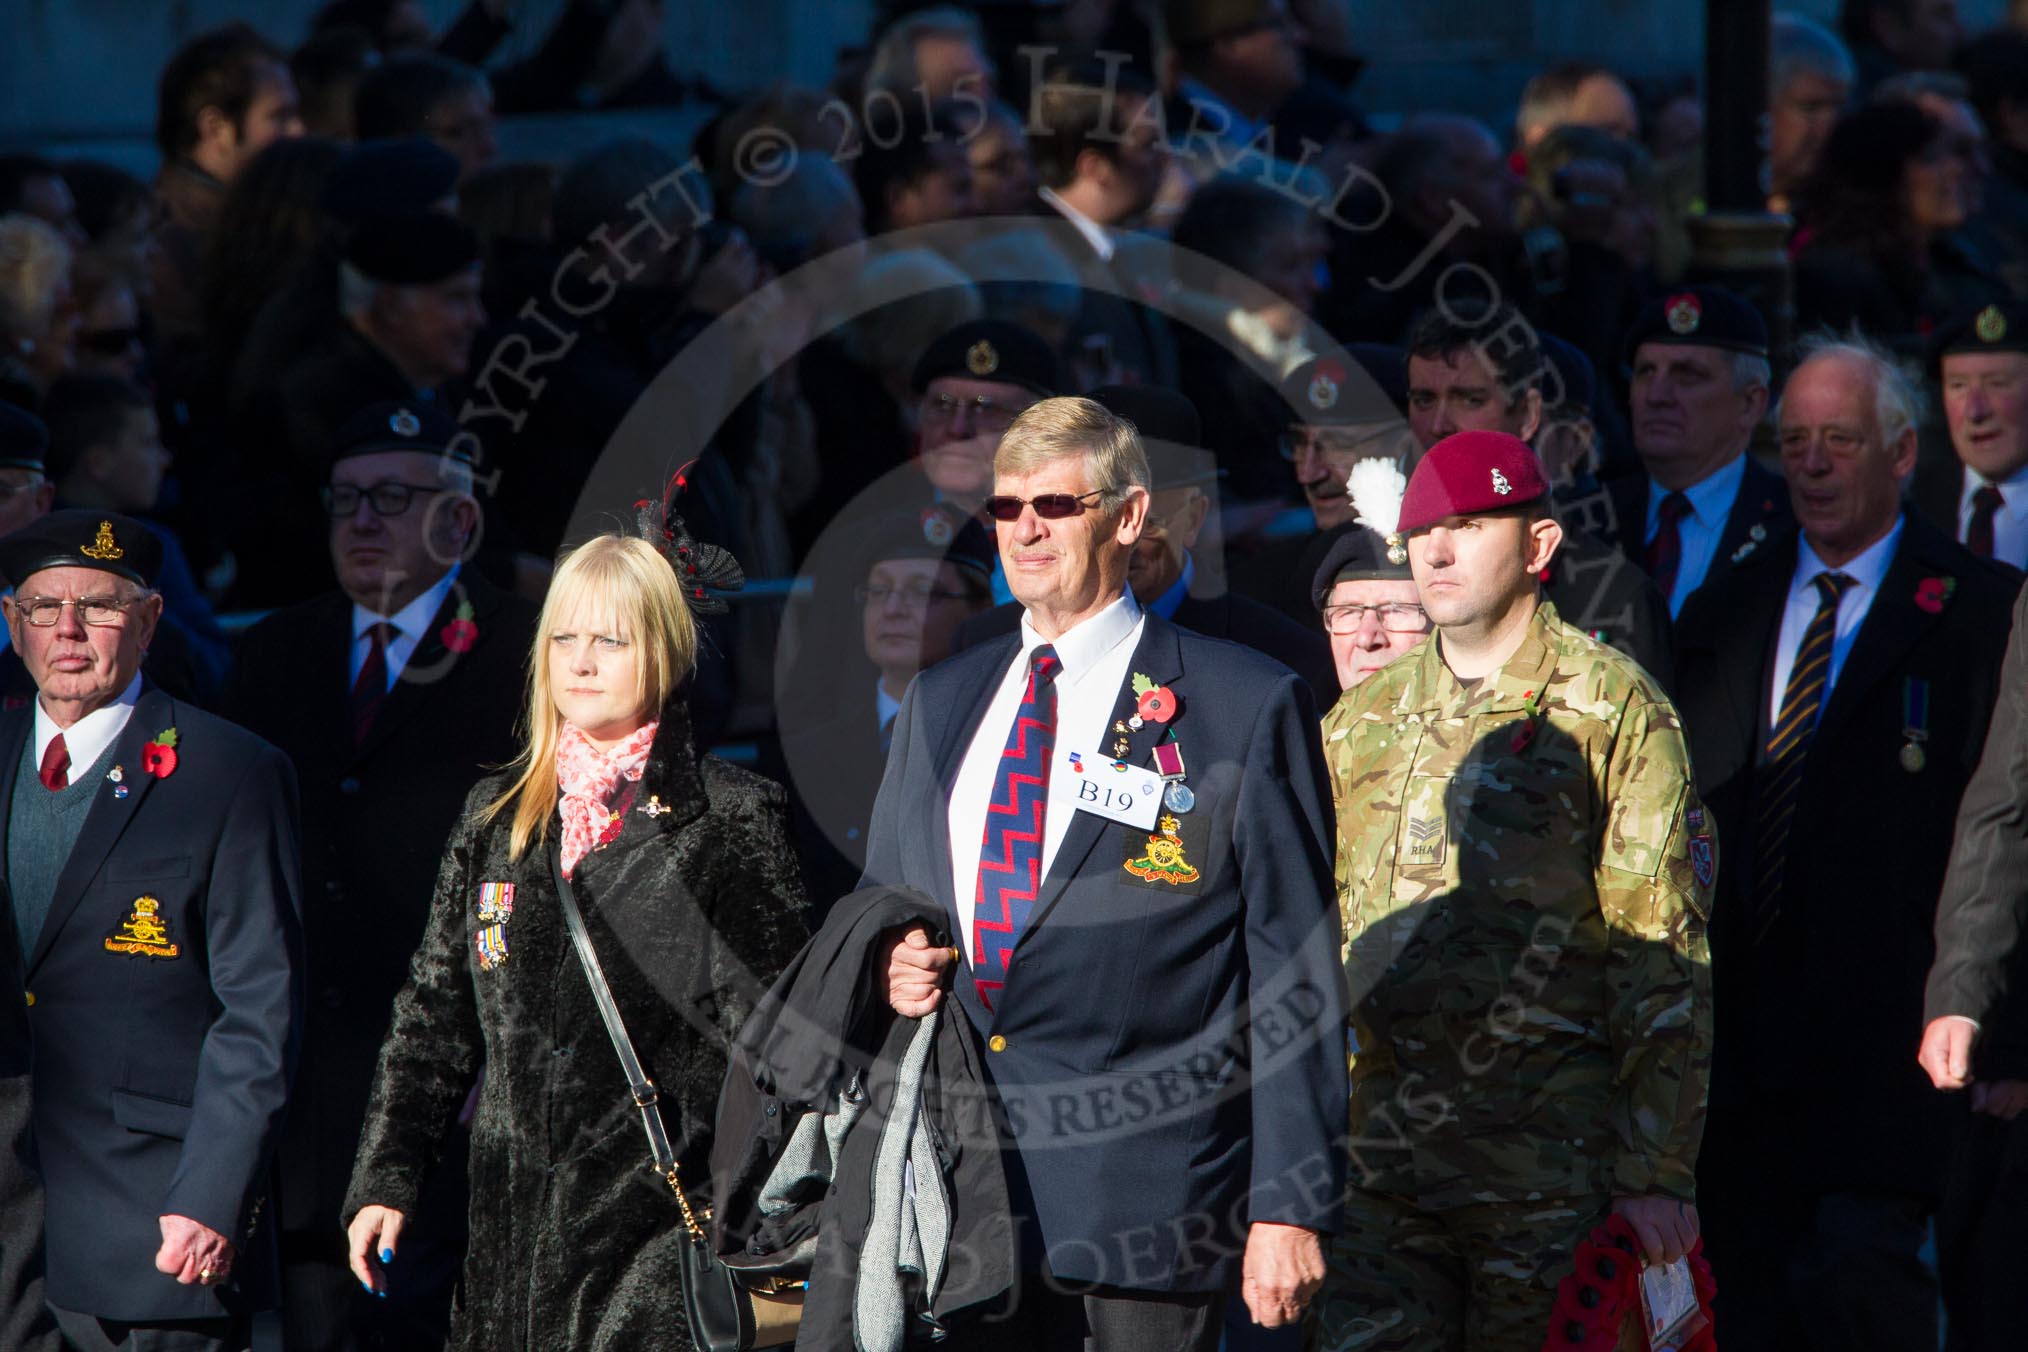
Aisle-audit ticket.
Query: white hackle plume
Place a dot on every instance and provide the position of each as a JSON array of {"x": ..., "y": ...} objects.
[{"x": 1376, "y": 485}]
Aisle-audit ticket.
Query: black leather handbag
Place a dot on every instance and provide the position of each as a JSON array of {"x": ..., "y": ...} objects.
[{"x": 727, "y": 1311}]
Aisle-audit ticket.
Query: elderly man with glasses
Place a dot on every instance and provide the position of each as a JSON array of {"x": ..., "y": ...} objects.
[
  {"x": 388, "y": 694},
  {"x": 152, "y": 898}
]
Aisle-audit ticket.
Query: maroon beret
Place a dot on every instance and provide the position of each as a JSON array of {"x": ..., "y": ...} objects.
[{"x": 1471, "y": 472}]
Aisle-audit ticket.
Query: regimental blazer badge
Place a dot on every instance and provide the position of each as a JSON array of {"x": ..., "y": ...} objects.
[
  {"x": 144, "y": 933},
  {"x": 1164, "y": 861},
  {"x": 491, "y": 942}
]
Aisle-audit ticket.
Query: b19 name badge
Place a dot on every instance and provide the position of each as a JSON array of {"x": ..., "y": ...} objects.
[{"x": 1109, "y": 787}]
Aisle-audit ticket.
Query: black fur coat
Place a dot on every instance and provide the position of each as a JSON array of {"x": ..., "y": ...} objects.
[{"x": 693, "y": 910}]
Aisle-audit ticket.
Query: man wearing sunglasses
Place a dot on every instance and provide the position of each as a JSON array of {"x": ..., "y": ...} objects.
[
  {"x": 388, "y": 694},
  {"x": 152, "y": 884},
  {"x": 1108, "y": 963},
  {"x": 1163, "y": 570}
]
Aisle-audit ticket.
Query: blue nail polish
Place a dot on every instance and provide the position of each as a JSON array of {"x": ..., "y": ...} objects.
[
  {"x": 381, "y": 1294},
  {"x": 387, "y": 1255},
  {"x": 366, "y": 1286}
]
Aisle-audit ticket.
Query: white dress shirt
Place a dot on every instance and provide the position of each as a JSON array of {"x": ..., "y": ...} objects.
[
  {"x": 2010, "y": 523},
  {"x": 1867, "y": 571},
  {"x": 1711, "y": 500},
  {"x": 87, "y": 739},
  {"x": 1096, "y": 235},
  {"x": 411, "y": 622},
  {"x": 1095, "y": 656}
]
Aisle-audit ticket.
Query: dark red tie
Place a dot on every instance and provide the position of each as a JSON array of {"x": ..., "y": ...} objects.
[
  {"x": 1665, "y": 551},
  {"x": 1986, "y": 503},
  {"x": 55, "y": 771},
  {"x": 369, "y": 691}
]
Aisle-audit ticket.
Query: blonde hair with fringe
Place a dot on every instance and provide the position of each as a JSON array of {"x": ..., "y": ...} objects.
[{"x": 611, "y": 584}]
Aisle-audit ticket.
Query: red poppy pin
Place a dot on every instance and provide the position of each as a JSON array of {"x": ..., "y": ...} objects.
[
  {"x": 1154, "y": 703},
  {"x": 1932, "y": 592},
  {"x": 611, "y": 832},
  {"x": 462, "y": 632},
  {"x": 158, "y": 757}
]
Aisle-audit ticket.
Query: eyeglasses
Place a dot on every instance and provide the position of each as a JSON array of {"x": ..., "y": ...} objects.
[
  {"x": 9, "y": 491},
  {"x": 386, "y": 499},
  {"x": 99, "y": 611},
  {"x": 1049, "y": 506},
  {"x": 1334, "y": 443},
  {"x": 915, "y": 596},
  {"x": 989, "y": 415},
  {"x": 1396, "y": 617}
]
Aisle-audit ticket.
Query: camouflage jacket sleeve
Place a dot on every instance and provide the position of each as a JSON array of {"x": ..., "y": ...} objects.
[{"x": 1655, "y": 869}]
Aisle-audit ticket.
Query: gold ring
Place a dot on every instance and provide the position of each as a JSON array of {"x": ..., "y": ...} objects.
[
  {"x": 957, "y": 954},
  {"x": 204, "y": 1274}
]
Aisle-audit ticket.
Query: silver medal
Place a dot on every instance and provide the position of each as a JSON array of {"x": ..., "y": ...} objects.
[{"x": 1178, "y": 797}]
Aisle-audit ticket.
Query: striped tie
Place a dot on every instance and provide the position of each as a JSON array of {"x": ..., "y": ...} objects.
[
  {"x": 1010, "y": 857},
  {"x": 1789, "y": 742}
]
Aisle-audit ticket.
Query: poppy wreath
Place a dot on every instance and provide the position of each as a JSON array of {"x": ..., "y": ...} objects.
[{"x": 1600, "y": 1300}]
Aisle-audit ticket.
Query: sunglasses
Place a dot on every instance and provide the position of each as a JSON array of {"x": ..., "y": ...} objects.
[{"x": 1050, "y": 506}]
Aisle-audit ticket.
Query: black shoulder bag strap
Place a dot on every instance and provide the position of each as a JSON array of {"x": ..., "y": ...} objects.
[{"x": 646, "y": 1097}]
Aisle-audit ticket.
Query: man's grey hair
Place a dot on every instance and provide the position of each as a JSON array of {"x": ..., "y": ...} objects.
[
  {"x": 893, "y": 64},
  {"x": 1800, "y": 46},
  {"x": 1897, "y": 390}
]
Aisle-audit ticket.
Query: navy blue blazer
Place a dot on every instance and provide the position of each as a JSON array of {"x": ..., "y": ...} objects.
[
  {"x": 159, "y": 1081},
  {"x": 1170, "y": 1058}
]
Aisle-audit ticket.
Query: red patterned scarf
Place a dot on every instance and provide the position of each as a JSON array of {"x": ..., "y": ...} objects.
[{"x": 588, "y": 779}]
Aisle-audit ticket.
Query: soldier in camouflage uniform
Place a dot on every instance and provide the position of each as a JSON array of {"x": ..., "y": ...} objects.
[{"x": 1527, "y": 873}]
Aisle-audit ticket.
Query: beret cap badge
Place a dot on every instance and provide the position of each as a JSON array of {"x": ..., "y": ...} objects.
[
  {"x": 981, "y": 358},
  {"x": 1500, "y": 484},
  {"x": 1323, "y": 391},
  {"x": 1686, "y": 312},
  {"x": 1991, "y": 325},
  {"x": 404, "y": 423},
  {"x": 103, "y": 545}
]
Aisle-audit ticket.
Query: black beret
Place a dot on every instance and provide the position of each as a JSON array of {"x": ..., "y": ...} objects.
[
  {"x": 1316, "y": 391},
  {"x": 992, "y": 349},
  {"x": 1999, "y": 326},
  {"x": 82, "y": 538},
  {"x": 1357, "y": 555},
  {"x": 418, "y": 425},
  {"x": 391, "y": 176},
  {"x": 411, "y": 248},
  {"x": 24, "y": 438},
  {"x": 1577, "y": 379},
  {"x": 1700, "y": 316},
  {"x": 937, "y": 531},
  {"x": 1170, "y": 429}
]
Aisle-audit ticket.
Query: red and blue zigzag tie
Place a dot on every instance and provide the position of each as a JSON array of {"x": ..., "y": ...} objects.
[{"x": 1010, "y": 857}]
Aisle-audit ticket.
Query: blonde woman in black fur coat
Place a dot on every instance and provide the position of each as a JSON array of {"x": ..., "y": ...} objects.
[{"x": 683, "y": 870}]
